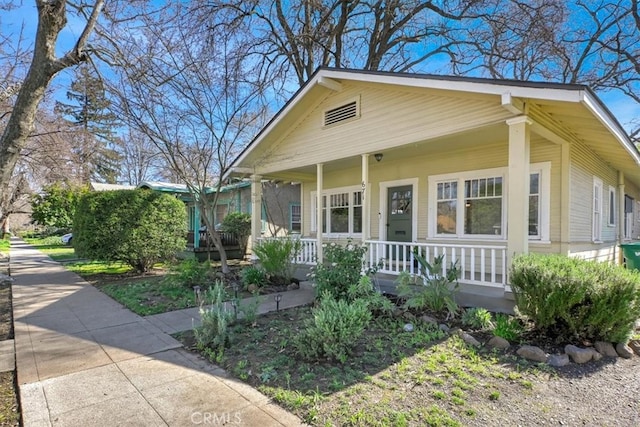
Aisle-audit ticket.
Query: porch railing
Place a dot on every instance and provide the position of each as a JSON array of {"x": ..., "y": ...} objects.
[{"x": 478, "y": 264}]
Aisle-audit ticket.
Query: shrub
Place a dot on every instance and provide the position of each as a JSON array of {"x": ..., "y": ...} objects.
[
  {"x": 477, "y": 318},
  {"x": 343, "y": 266},
  {"x": 364, "y": 290},
  {"x": 216, "y": 318},
  {"x": 55, "y": 207},
  {"x": 238, "y": 224},
  {"x": 189, "y": 273},
  {"x": 276, "y": 258},
  {"x": 334, "y": 329},
  {"x": 253, "y": 276},
  {"x": 137, "y": 227},
  {"x": 431, "y": 289},
  {"x": 507, "y": 327},
  {"x": 575, "y": 299}
]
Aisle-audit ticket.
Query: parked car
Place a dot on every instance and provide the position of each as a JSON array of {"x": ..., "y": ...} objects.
[{"x": 66, "y": 239}]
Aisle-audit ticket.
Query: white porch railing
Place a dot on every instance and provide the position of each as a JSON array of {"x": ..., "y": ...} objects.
[{"x": 478, "y": 264}]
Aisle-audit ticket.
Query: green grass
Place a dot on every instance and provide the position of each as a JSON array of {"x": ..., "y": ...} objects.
[
  {"x": 4, "y": 245},
  {"x": 87, "y": 269},
  {"x": 53, "y": 247},
  {"x": 150, "y": 297}
]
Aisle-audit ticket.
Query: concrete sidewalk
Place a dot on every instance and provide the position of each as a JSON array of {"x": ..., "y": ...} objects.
[{"x": 83, "y": 359}]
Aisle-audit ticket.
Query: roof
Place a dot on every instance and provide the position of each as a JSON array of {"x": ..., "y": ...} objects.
[
  {"x": 169, "y": 187},
  {"x": 98, "y": 186},
  {"x": 551, "y": 94}
]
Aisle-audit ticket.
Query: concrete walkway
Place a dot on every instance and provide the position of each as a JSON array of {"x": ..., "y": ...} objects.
[{"x": 84, "y": 360}]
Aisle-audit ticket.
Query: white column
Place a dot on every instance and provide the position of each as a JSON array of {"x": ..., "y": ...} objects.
[
  {"x": 518, "y": 188},
  {"x": 366, "y": 192},
  {"x": 621, "y": 214},
  {"x": 565, "y": 198},
  {"x": 319, "y": 185},
  {"x": 256, "y": 210}
]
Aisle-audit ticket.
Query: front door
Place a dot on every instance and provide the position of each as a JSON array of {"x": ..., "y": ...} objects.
[{"x": 399, "y": 218}]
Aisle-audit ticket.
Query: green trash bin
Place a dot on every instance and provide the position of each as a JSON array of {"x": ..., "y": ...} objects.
[{"x": 631, "y": 253}]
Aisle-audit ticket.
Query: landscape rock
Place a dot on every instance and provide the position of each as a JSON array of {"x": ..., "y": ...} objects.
[
  {"x": 605, "y": 348},
  {"x": 252, "y": 288},
  {"x": 624, "y": 350},
  {"x": 595, "y": 354},
  {"x": 635, "y": 346},
  {"x": 558, "y": 360},
  {"x": 408, "y": 327},
  {"x": 5, "y": 280},
  {"x": 444, "y": 328},
  {"x": 408, "y": 315},
  {"x": 499, "y": 343},
  {"x": 469, "y": 339},
  {"x": 533, "y": 353},
  {"x": 293, "y": 286},
  {"x": 577, "y": 354},
  {"x": 428, "y": 319}
]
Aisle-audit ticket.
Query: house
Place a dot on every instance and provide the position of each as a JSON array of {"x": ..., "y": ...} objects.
[
  {"x": 278, "y": 206},
  {"x": 478, "y": 170}
]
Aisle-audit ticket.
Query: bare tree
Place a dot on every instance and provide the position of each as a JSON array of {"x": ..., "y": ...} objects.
[
  {"x": 140, "y": 158},
  {"x": 192, "y": 97},
  {"x": 52, "y": 18}
]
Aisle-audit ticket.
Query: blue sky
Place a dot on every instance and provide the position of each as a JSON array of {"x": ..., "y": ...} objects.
[{"x": 10, "y": 23}]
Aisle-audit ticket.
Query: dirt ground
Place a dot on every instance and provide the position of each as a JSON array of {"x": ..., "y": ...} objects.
[{"x": 9, "y": 409}]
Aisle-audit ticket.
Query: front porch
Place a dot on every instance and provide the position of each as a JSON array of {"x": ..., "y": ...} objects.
[{"x": 203, "y": 248}]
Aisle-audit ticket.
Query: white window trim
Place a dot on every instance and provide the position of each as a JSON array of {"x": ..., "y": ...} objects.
[
  {"x": 596, "y": 217},
  {"x": 543, "y": 168},
  {"x": 612, "y": 211},
  {"x": 327, "y": 192},
  {"x": 382, "y": 213}
]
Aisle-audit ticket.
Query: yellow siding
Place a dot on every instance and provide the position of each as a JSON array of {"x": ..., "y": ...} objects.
[
  {"x": 584, "y": 166},
  {"x": 389, "y": 118}
]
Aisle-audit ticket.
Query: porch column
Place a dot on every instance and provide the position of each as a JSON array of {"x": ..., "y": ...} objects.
[
  {"x": 256, "y": 210},
  {"x": 621, "y": 214},
  {"x": 196, "y": 227},
  {"x": 366, "y": 192},
  {"x": 319, "y": 185},
  {"x": 518, "y": 188}
]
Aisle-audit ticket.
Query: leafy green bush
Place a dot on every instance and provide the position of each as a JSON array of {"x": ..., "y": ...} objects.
[
  {"x": 364, "y": 290},
  {"x": 238, "y": 224},
  {"x": 343, "y": 266},
  {"x": 216, "y": 318},
  {"x": 477, "y": 318},
  {"x": 507, "y": 327},
  {"x": 56, "y": 206},
  {"x": 431, "y": 289},
  {"x": 189, "y": 273},
  {"x": 276, "y": 258},
  {"x": 137, "y": 227},
  {"x": 253, "y": 276},
  {"x": 574, "y": 299},
  {"x": 334, "y": 329}
]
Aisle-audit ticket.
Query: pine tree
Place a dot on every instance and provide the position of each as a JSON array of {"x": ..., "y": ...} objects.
[{"x": 94, "y": 141}]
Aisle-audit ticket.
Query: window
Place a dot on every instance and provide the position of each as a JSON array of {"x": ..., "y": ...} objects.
[
  {"x": 447, "y": 207},
  {"x": 341, "y": 211},
  {"x": 295, "y": 216},
  {"x": 473, "y": 204},
  {"x": 534, "y": 205},
  {"x": 597, "y": 210},
  {"x": 483, "y": 206},
  {"x": 612, "y": 207}
]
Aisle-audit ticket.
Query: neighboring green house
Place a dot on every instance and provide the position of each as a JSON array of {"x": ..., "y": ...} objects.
[
  {"x": 478, "y": 170},
  {"x": 280, "y": 209}
]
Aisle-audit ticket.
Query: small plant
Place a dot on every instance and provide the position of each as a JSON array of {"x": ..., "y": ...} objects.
[
  {"x": 216, "y": 319},
  {"x": 276, "y": 258},
  {"x": 249, "y": 310},
  {"x": 507, "y": 327},
  {"x": 189, "y": 273},
  {"x": 477, "y": 318},
  {"x": 334, "y": 329},
  {"x": 378, "y": 304},
  {"x": 494, "y": 395},
  {"x": 253, "y": 276},
  {"x": 342, "y": 268},
  {"x": 433, "y": 289}
]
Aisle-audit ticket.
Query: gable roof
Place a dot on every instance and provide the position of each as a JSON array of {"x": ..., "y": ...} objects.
[{"x": 553, "y": 95}]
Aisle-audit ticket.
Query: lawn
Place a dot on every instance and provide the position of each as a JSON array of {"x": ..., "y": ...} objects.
[
  {"x": 5, "y": 245},
  {"x": 53, "y": 247},
  {"x": 392, "y": 378}
]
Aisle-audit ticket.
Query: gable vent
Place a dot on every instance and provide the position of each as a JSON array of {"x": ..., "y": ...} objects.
[{"x": 340, "y": 114}]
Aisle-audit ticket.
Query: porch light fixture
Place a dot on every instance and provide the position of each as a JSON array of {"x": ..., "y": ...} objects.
[{"x": 378, "y": 156}]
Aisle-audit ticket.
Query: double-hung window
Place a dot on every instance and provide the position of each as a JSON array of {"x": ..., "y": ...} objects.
[
  {"x": 473, "y": 204},
  {"x": 295, "y": 217},
  {"x": 341, "y": 211}
]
